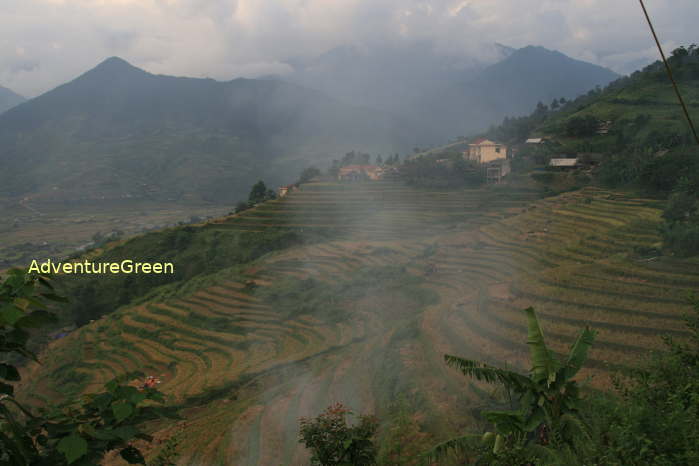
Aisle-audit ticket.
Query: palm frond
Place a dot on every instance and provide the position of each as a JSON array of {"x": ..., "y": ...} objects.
[
  {"x": 456, "y": 445},
  {"x": 506, "y": 422},
  {"x": 486, "y": 373},
  {"x": 578, "y": 352},
  {"x": 544, "y": 364},
  {"x": 550, "y": 456},
  {"x": 574, "y": 429}
]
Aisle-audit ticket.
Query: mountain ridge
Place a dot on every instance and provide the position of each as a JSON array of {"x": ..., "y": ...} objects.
[
  {"x": 9, "y": 99},
  {"x": 447, "y": 95}
]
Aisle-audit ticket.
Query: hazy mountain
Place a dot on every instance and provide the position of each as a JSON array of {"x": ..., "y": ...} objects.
[
  {"x": 448, "y": 95},
  {"x": 9, "y": 99},
  {"x": 118, "y": 132},
  {"x": 392, "y": 78}
]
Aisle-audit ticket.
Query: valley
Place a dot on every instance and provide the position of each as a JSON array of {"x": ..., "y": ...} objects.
[
  {"x": 382, "y": 280},
  {"x": 41, "y": 230}
]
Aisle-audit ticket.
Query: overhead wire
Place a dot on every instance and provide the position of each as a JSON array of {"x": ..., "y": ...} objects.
[{"x": 669, "y": 72}]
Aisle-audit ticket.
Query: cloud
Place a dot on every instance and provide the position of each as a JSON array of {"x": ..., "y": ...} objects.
[{"x": 47, "y": 42}]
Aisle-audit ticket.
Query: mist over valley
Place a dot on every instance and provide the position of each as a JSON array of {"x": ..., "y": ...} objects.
[{"x": 348, "y": 233}]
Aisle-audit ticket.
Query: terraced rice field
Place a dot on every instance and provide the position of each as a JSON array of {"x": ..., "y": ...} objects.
[{"x": 244, "y": 371}]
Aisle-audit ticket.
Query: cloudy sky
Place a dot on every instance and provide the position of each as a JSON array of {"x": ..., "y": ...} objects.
[{"x": 47, "y": 42}]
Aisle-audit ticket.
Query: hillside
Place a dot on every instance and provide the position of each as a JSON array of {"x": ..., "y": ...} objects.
[
  {"x": 642, "y": 109},
  {"x": 9, "y": 99},
  {"x": 352, "y": 293},
  {"x": 118, "y": 133}
]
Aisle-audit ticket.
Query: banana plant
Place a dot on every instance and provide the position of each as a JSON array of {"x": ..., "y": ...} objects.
[{"x": 548, "y": 414}]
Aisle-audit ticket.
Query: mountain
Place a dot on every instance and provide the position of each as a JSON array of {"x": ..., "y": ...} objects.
[
  {"x": 512, "y": 87},
  {"x": 534, "y": 74},
  {"x": 118, "y": 132},
  {"x": 391, "y": 78},
  {"x": 9, "y": 99},
  {"x": 449, "y": 95}
]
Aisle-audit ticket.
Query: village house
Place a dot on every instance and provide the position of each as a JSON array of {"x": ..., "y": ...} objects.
[
  {"x": 497, "y": 170},
  {"x": 360, "y": 172},
  {"x": 284, "y": 190},
  {"x": 484, "y": 150},
  {"x": 603, "y": 127},
  {"x": 563, "y": 164},
  {"x": 536, "y": 140}
]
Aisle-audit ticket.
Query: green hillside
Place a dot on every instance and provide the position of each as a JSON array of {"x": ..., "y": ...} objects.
[
  {"x": 642, "y": 108},
  {"x": 352, "y": 293}
]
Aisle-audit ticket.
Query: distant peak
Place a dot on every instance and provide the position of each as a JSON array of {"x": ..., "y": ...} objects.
[
  {"x": 535, "y": 48},
  {"x": 115, "y": 63}
]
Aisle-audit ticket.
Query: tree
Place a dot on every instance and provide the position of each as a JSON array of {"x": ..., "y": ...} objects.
[
  {"x": 333, "y": 442},
  {"x": 582, "y": 126},
  {"x": 258, "y": 193},
  {"x": 379, "y": 160},
  {"x": 547, "y": 421},
  {"x": 541, "y": 108},
  {"x": 554, "y": 104},
  {"x": 681, "y": 206},
  {"x": 308, "y": 174}
]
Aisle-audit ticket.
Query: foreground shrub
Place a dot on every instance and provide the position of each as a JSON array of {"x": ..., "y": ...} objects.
[
  {"x": 333, "y": 442},
  {"x": 653, "y": 420},
  {"x": 75, "y": 432}
]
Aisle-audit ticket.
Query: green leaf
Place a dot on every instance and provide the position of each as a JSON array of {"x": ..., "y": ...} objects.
[
  {"x": 36, "y": 319},
  {"x": 9, "y": 372},
  {"x": 55, "y": 297},
  {"x": 101, "y": 401},
  {"x": 578, "y": 352},
  {"x": 73, "y": 447},
  {"x": 125, "y": 433},
  {"x": 137, "y": 397},
  {"x": 105, "y": 434},
  {"x": 490, "y": 374},
  {"x": 9, "y": 314},
  {"x": 45, "y": 282},
  {"x": 21, "y": 303},
  {"x": 132, "y": 455},
  {"x": 455, "y": 445},
  {"x": 499, "y": 444},
  {"x": 544, "y": 365},
  {"x": 122, "y": 410},
  {"x": 506, "y": 422},
  {"x": 111, "y": 386}
]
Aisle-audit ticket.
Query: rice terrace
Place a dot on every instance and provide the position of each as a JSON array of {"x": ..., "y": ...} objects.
[
  {"x": 349, "y": 233},
  {"x": 392, "y": 278}
]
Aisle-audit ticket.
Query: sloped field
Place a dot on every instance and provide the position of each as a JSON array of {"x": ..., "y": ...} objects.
[{"x": 365, "y": 317}]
